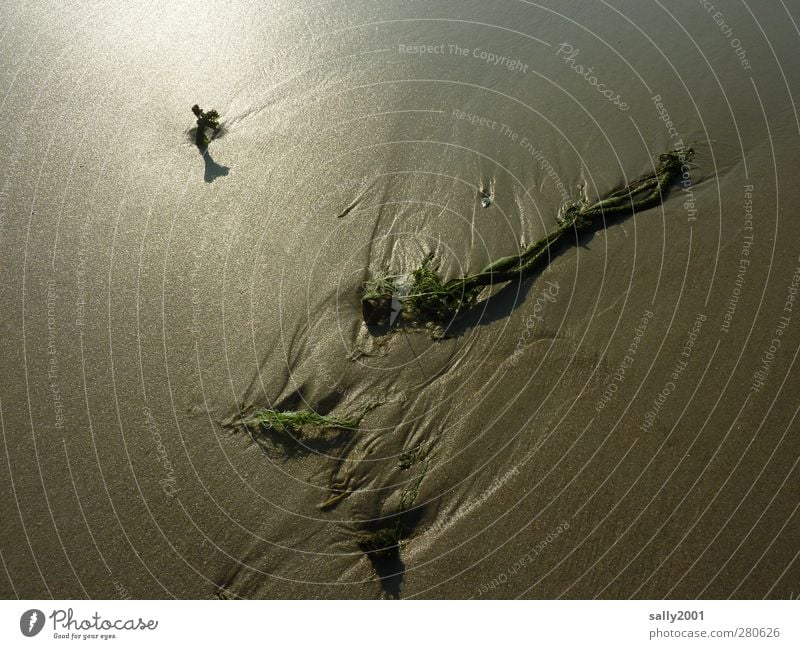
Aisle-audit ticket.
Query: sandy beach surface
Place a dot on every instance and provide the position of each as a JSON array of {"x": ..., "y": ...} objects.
[{"x": 620, "y": 425}]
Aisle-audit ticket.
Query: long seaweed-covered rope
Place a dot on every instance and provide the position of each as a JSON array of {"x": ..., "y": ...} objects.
[{"x": 430, "y": 299}]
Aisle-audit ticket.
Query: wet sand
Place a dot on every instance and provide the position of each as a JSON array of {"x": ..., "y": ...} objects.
[{"x": 620, "y": 425}]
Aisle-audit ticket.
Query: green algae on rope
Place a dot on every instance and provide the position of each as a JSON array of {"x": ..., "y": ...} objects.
[{"x": 423, "y": 296}]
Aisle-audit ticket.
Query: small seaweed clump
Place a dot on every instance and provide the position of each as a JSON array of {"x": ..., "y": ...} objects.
[
  {"x": 383, "y": 543},
  {"x": 431, "y": 300},
  {"x": 206, "y": 119},
  {"x": 415, "y": 456},
  {"x": 294, "y": 421},
  {"x": 377, "y": 299}
]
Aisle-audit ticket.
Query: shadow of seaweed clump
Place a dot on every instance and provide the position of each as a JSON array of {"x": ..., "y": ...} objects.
[
  {"x": 381, "y": 543},
  {"x": 382, "y": 539},
  {"x": 382, "y": 547},
  {"x": 213, "y": 170}
]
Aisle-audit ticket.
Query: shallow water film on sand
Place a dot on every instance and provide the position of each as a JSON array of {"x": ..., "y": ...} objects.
[{"x": 368, "y": 299}]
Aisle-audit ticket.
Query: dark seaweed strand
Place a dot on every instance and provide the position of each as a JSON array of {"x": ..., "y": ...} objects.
[
  {"x": 432, "y": 300},
  {"x": 619, "y": 203}
]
